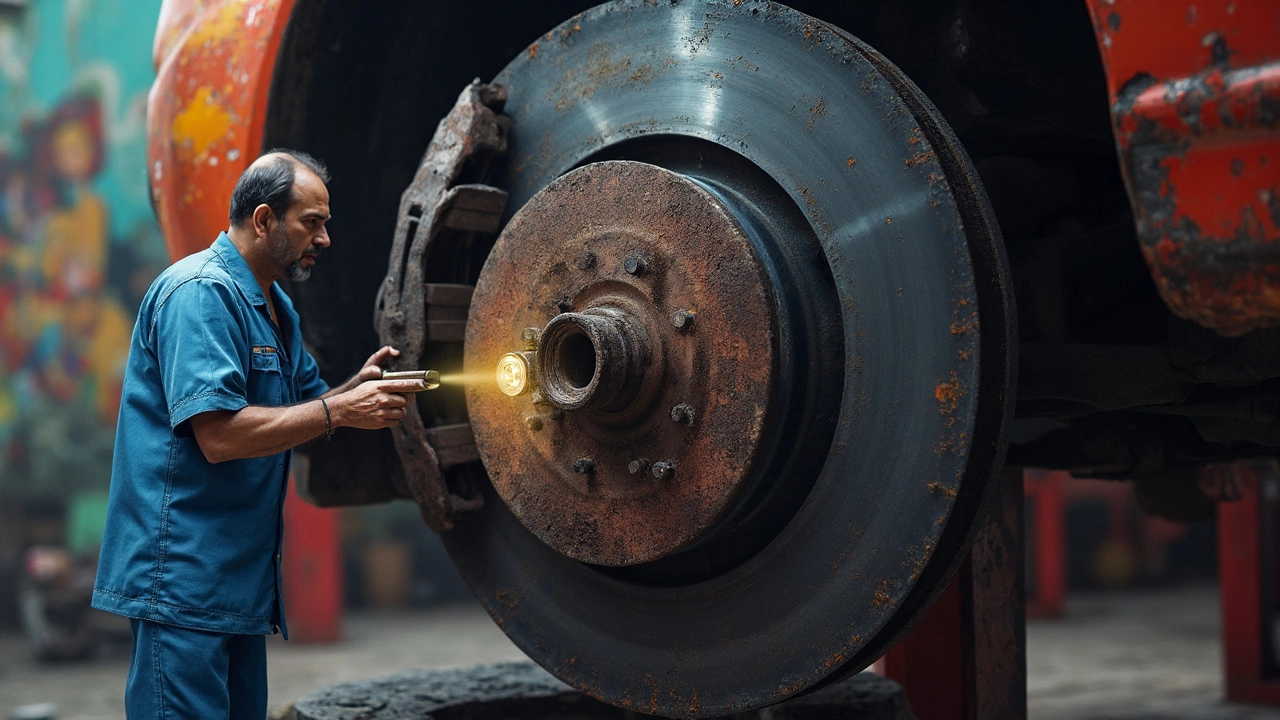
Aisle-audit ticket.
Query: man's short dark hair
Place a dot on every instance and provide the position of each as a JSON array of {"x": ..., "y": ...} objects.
[{"x": 271, "y": 184}]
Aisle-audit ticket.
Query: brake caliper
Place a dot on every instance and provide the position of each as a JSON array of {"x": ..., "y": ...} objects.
[{"x": 440, "y": 211}]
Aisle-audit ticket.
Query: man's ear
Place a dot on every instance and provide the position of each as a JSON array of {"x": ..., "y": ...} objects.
[{"x": 263, "y": 217}]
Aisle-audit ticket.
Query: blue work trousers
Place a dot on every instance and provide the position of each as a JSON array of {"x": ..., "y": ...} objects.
[{"x": 181, "y": 674}]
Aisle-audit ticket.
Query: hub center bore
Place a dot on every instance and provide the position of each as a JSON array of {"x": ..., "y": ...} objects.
[
  {"x": 594, "y": 359},
  {"x": 652, "y": 370}
]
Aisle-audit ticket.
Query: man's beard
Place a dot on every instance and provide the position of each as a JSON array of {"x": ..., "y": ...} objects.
[{"x": 281, "y": 252}]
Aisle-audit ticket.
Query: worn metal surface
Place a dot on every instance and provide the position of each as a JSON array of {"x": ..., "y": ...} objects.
[
  {"x": 410, "y": 311},
  {"x": 205, "y": 113},
  {"x": 612, "y": 365},
  {"x": 523, "y": 690},
  {"x": 753, "y": 99},
  {"x": 1195, "y": 102}
]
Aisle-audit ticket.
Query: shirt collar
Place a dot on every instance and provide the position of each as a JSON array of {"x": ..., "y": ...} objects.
[{"x": 239, "y": 269}]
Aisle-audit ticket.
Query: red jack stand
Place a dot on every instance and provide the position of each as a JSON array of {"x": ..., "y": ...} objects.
[
  {"x": 966, "y": 659},
  {"x": 1047, "y": 539},
  {"x": 312, "y": 566},
  {"x": 1249, "y": 575}
]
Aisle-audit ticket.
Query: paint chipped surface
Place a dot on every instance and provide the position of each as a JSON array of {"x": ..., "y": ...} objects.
[
  {"x": 1195, "y": 117},
  {"x": 207, "y": 108},
  {"x": 202, "y": 123}
]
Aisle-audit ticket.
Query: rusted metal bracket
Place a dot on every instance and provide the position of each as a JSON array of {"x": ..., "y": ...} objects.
[{"x": 411, "y": 312}]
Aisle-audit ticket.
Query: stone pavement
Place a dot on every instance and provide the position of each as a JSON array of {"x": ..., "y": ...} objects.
[
  {"x": 1152, "y": 655},
  {"x": 1128, "y": 656}
]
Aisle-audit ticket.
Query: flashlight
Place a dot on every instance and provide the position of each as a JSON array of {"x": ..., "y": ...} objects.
[{"x": 430, "y": 378}]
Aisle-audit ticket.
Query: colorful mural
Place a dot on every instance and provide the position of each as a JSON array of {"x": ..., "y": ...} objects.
[{"x": 78, "y": 241}]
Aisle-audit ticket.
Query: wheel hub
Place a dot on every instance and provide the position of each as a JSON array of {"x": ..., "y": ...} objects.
[{"x": 646, "y": 328}]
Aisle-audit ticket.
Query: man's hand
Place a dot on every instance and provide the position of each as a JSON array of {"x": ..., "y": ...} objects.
[
  {"x": 371, "y": 370},
  {"x": 376, "y": 363},
  {"x": 373, "y": 404}
]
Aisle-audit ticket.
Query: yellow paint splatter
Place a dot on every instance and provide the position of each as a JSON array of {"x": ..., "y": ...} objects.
[
  {"x": 202, "y": 123},
  {"x": 221, "y": 25}
]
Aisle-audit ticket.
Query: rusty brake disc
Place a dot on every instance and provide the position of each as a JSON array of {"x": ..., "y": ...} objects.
[{"x": 742, "y": 254}]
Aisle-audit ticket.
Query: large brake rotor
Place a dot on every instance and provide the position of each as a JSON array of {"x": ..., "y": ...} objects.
[{"x": 750, "y": 348}]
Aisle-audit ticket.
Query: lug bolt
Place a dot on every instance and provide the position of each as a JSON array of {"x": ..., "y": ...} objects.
[
  {"x": 531, "y": 336},
  {"x": 682, "y": 413},
  {"x": 637, "y": 467},
  {"x": 664, "y": 469},
  {"x": 634, "y": 264},
  {"x": 585, "y": 465},
  {"x": 682, "y": 319},
  {"x": 533, "y": 422}
]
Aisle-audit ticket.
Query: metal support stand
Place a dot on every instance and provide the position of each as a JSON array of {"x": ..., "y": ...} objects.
[
  {"x": 1249, "y": 572},
  {"x": 311, "y": 569},
  {"x": 1046, "y": 541},
  {"x": 966, "y": 658}
]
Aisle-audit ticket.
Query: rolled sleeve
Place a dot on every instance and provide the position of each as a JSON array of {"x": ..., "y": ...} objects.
[{"x": 200, "y": 349}]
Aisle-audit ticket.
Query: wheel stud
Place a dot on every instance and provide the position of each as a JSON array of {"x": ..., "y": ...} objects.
[
  {"x": 682, "y": 413},
  {"x": 682, "y": 319},
  {"x": 637, "y": 466},
  {"x": 585, "y": 465},
  {"x": 664, "y": 469},
  {"x": 634, "y": 264}
]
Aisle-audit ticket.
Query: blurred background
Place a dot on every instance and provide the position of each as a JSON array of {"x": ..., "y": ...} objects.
[{"x": 1123, "y": 604}]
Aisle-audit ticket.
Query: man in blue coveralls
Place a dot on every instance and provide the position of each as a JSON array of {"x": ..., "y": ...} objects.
[{"x": 217, "y": 392}]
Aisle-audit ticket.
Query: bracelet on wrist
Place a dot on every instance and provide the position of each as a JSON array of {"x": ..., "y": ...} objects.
[{"x": 328, "y": 420}]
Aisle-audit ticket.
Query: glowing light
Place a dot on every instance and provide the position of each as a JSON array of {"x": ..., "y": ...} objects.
[
  {"x": 464, "y": 378},
  {"x": 431, "y": 379},
  {"x": 513, "y": 374}
]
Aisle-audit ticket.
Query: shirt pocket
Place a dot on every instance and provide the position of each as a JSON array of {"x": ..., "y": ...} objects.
[{"x": 266, "y": 380}]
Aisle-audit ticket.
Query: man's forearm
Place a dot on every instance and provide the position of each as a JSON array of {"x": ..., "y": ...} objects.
[{"x": 256, "y": 431}]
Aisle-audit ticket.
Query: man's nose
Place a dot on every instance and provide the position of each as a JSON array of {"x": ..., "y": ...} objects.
[{"x": 323, "y": 239}]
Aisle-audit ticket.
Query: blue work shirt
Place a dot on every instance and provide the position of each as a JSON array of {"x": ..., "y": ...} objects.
[{"x": 188, "y": 542}]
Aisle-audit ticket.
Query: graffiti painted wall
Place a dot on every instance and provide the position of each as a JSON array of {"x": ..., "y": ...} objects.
[{"x": 78, "y": 241}]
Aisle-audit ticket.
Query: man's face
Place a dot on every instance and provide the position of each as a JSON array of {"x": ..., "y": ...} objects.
[{"x": 299, "y": 237}]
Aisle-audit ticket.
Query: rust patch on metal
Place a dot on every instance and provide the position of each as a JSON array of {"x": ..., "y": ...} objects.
[
  {"x": 948, "y": 394},
  {"x": 818, "y": 110},
  {"x": 618, "y": 359},
  {"x": 1194, "y": 130},
  {"x": 938, "y": 488},
  {"x": 883, "y": 597},
  {"x": 918, "y": 159}
]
